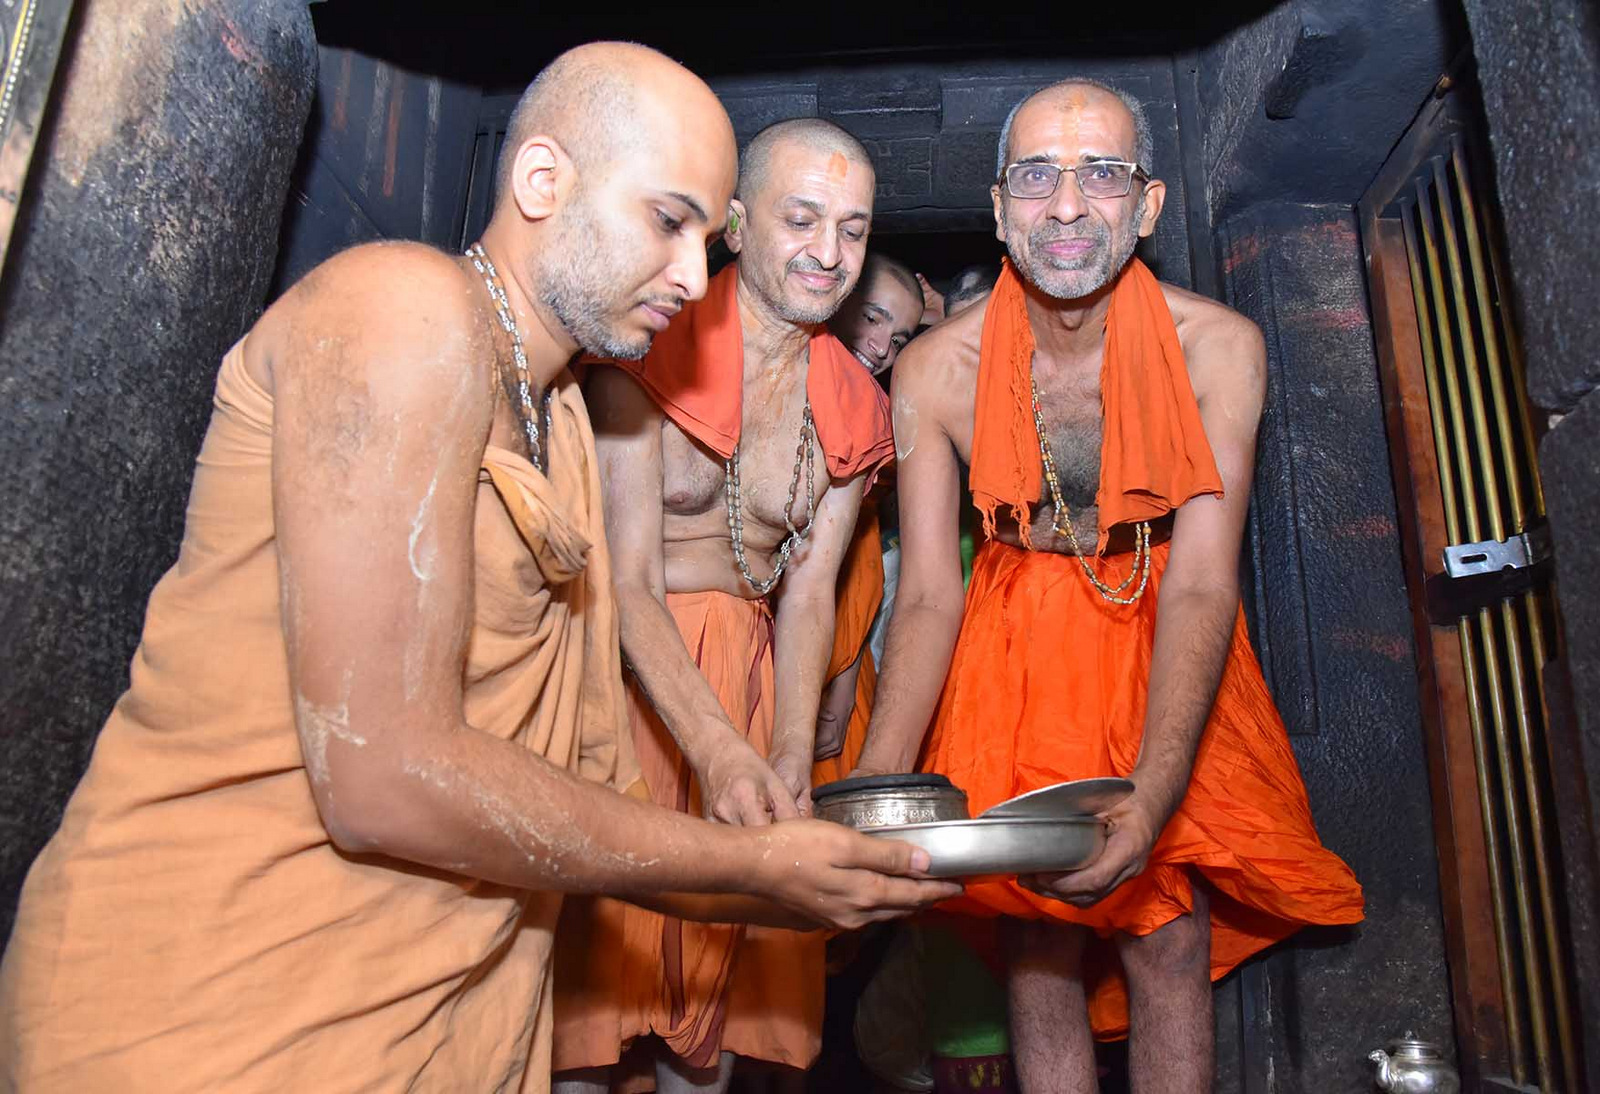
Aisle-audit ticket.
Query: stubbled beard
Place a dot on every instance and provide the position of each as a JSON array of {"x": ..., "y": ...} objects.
[
  {"x": 579, "y": 282},
  {"x": 1067, "y": 282}
]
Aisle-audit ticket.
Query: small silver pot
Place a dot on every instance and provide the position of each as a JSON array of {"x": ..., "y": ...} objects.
[{"x": 874, "y": 801}]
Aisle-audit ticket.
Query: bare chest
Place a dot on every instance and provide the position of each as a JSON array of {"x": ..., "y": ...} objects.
[
  {"x": 1069, "y": 408},
  {"x": 774, "y": 474}
]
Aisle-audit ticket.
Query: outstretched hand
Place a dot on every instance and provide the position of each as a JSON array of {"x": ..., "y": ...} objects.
[{"x": 1133, "y": 826}]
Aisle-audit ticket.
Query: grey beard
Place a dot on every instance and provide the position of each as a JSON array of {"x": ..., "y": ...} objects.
[{"x": 1101, "y": 277}]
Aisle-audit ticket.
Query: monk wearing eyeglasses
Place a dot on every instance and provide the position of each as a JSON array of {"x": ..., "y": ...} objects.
[{"x": 1109, "y": 421}]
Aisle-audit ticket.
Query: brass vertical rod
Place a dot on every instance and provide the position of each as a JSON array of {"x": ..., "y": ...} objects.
[
  {"x": 1427, "y": 324},
  {"x": 1509, "y": 448},
  {"x": 1469, "y": 351},
  {"x": 1519, "y": 372},
  {"x": 1514, "y": 458},
  {"x": 1430, "y": 373},
  {"x": 1493, "y": 686}
]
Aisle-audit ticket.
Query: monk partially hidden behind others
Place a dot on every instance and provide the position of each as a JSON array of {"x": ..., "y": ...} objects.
[
  {"x": 1109, "y": 422},
  {"x": 376, "y": 718}
]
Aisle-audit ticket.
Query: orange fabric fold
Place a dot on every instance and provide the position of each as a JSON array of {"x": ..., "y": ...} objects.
[
  {"x": 623, "y": 972},
  {"x": 695, "y": 372},
  {"x": 1154, "y": 453},
  {"x": 1017, "y": 714},
  {"x": 860, "y": 592}
]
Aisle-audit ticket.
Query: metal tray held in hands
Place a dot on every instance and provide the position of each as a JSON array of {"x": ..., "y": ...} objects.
[
  {"x": 1049, "y": 829},
  {"x": 1002, "y": 845}
]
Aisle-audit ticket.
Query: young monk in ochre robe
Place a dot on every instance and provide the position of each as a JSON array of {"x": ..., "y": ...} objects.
[
  {"x": 1109, "y": 422},
  {"x": 376, "y": 722}
]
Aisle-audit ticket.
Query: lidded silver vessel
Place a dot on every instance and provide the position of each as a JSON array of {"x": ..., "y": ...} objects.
[
  {"x": 1412, "y": 1066},
  {"x": 874, "y": 801}
]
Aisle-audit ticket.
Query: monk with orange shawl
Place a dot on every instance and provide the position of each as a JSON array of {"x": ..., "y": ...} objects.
[
  {"x": 376, "y": 717},
  {"x": 1109, "y": 422},
  {"x": 729, "y": 536}
]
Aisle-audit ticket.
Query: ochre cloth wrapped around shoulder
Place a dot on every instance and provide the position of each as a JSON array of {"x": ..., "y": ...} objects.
[{"x": 192, "y": 928}]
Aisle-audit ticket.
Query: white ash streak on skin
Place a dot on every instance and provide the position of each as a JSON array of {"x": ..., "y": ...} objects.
[
  {"x": 317, "y": 724},
  {"x": 422, "y": 568},
  {"x": 905, "y": 428},
  {"x": 410, "y": 663},
  {"x": 539, "y": 843}
]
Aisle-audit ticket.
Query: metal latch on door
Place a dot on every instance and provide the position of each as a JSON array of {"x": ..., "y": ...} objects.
[{"x": 1522, "y": 551}]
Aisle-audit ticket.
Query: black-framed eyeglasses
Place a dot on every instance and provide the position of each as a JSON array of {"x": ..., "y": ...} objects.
[{"x": 1100, "y": 179}]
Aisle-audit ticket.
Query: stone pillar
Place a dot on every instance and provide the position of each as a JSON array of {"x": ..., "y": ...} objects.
[{"x": 143, "y": 250}]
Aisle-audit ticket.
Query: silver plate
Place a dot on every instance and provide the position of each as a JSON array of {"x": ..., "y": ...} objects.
[
  {"x": 1078, "y": 798},
  {"x": 1002, "y": 845}
]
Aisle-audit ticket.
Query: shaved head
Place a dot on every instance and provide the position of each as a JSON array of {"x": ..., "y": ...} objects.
[
  {"x": 877, "y": 264},
  {"x": 588, "y": 100},
  {"x": 617, "y": 169},
  {"x": 881, "y": 315},
  {"x": 1066, "y": 243},
  {"x": 1062, "y": 93},
  {"x": 812, "y": 134}
]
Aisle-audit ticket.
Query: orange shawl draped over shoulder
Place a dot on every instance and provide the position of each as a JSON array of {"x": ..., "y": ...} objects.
[
  {"x": 1154, "y": 456},
  {"x": 695, "y": 373}
]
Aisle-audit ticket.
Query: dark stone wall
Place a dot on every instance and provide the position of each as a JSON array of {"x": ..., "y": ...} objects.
[
  {"x": 1304, "y": 103},
  {"x": 387, "y": 155},
  {"x": 145, "y": 245},
  {"x": 1569, "y": 458},
  {"x": 1539, "y": 70},
  {"x": 1332, "y": 623}
]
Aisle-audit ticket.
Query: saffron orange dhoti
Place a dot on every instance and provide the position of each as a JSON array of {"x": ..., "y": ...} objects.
[
  {"x": 860, "y": 593},
  {"x": 624, "y": 972},
  {"x": 1048, "y": 683}
]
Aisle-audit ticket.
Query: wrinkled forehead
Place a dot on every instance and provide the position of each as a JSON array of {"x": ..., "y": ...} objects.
[
  {"x": 821, "y": 174},
  {"x": 1073, "y": 124}
]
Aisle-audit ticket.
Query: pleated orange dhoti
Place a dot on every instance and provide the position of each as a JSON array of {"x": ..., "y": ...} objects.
[
  {"x": 623, "y": 972},
  {"x": 1049, "y": 683}
]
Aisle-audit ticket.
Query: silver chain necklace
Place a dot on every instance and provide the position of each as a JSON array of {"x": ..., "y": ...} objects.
[
  {"x": 804, "y": 455},
  {"x": 525, "y": 390}
]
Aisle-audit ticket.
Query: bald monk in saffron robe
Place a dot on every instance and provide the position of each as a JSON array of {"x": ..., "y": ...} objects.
[
  {"x": 748, "y": 419},
  {"x": 875, "y": 323},
  {"x": 1102, "y": 632},
  {"x": 376, "y": 719}
]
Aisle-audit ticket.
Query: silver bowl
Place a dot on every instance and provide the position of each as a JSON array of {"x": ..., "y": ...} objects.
[
  {"x": 874, "y": 801},
  {"x": 1003, "y": 846}
]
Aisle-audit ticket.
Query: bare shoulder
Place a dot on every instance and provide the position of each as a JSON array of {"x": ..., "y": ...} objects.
[
  {"x": 1223, "y": 349},
  {"x": 394, "y": 313},
  {"x": 938, "y": 371}
]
